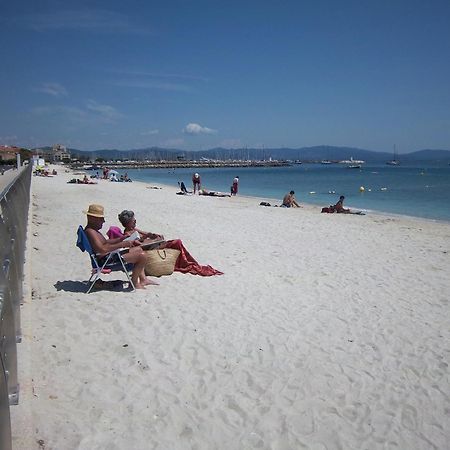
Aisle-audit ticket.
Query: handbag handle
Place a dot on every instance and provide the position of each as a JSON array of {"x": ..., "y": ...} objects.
[{"x": 162, "y": 257}]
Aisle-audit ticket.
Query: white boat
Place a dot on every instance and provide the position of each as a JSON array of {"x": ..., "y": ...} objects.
[
  {"x": 325, "y": 161},
  {"x": 394, "y": 161},
  {"x": 353, "y": 163}
]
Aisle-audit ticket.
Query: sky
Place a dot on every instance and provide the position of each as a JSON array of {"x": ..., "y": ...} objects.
[{"x": 194, "y": 75}]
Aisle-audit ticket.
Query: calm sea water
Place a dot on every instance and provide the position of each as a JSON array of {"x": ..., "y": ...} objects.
[{"x": 421, "y": 190}]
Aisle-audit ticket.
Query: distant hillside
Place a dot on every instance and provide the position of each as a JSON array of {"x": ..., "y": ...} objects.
[
  {"x": 317, "y": 153},
  {"x": 424, "y": 155}
]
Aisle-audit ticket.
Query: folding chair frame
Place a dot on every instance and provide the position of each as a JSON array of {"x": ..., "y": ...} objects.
[{"x": 98, "y": 269}]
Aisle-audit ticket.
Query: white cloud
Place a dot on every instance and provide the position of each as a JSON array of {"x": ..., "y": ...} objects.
[
  {"x": 149, "y": 133},
  {"x": 92, "y": 113},
  {"x": 106, "y": 112},
  {"x": 162, "y": 75},
  {"x": 94, "y": 20},
  {"x": 151, "y": 84},
  {"x": 231, "y": 143},
  {"x": 195, "y": 129},
  {"x": 173, "y": 142},
  {"x": 55, "y": 89},
  {"x": 66, "y": 111},
  {"x": 8, "y": 140}
]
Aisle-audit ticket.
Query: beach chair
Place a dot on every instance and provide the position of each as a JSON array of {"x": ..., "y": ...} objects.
[{"x": 114, "y": 261}]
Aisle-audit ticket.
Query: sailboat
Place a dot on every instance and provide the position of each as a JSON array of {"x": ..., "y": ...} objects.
[{"x": 395, "y": 161}]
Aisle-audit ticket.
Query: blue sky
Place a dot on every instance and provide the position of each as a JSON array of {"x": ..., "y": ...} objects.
[{"x": 199, "y": 74}]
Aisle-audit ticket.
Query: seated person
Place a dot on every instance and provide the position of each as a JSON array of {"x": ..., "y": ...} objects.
[
  {"x": 289, "y": 201},
  {"x": 183, "y": 190},
  {"x": 128, "y": 222},
  {"x": 339, "y": 206},
  {"x": 185, "y": 262},
  {"x": 103, "y": 246}
]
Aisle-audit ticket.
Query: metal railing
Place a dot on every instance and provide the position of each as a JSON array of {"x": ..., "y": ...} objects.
[{"x": 14, "y": 205}]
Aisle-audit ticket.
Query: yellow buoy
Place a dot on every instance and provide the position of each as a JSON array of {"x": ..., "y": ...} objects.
[{"x": 361, "y": 189}]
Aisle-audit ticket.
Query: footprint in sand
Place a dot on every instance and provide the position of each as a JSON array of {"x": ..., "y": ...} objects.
[{"x": 409, "y": 418}]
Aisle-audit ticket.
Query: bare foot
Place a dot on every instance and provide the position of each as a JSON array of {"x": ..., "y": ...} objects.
[
  {"x": 150, "y": 282},
  {"x": 139, "y": 286}
]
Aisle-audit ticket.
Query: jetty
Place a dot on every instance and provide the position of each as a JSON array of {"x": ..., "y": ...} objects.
[{"x": 176, "y": 164}]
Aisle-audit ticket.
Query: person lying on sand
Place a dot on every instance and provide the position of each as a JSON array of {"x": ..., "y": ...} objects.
[
  {"x": 185, "y": 262},
  {"x": 85, "y": 180},
  {"x": 289, "y": 201},
  {"x": 213, "y": 193},
  {"x": 102, "y": 246}
]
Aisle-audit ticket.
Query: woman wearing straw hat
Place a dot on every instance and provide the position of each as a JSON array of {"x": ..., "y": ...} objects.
[{"x": 102, "y": 246}]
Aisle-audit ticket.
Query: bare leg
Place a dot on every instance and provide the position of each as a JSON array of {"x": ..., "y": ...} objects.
[{"x": 137, "y": 257}]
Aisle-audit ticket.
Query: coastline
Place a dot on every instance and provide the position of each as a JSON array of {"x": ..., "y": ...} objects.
[
  {"x": 419, "y": 196},
  {"x": 319, "y": 333}
]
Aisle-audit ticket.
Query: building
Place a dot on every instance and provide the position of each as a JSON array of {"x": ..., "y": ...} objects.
[
  {"x": 8, "y": 152},
  {"x": 60, "y": 154},
  {"x": 57, "y": 154}
]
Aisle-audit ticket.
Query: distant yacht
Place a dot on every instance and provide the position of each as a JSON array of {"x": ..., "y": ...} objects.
[
  {"x": 353, "y": 163},
  {"x": 394, "y": 161},
  {"x": 325, "y": 161}
]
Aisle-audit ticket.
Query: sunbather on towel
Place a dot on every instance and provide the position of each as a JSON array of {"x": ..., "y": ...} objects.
[
  {"x": 213, "y": 193},
  {"x": 339, "y": 208},
  {"x": 103, "y": 246},
  {"x": 185, "y": 262}
]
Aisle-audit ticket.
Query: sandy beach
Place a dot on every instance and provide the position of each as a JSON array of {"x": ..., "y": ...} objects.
[{"x": 326, "y": 331}]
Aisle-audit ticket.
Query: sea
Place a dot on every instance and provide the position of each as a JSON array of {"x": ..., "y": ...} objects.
[{"x": 419, "y": 189}]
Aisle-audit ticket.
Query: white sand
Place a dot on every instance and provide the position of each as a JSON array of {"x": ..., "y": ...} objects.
[{"x": 326, "y": 331}]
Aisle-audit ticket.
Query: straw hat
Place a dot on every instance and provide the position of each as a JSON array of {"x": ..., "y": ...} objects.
[{"x": 95, "y": 211}]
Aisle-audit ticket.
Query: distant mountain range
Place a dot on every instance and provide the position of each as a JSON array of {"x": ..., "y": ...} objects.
[{"x": 316, "y": 153}]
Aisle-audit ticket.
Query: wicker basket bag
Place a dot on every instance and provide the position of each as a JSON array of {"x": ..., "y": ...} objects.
[{"x": 161, "y": 261}]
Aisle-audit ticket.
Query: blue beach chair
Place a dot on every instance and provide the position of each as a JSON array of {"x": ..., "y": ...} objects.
[{"x": 113, "y": 262}]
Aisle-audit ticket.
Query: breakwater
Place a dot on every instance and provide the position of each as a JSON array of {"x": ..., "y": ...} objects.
[{"x": 178, "y": 164}]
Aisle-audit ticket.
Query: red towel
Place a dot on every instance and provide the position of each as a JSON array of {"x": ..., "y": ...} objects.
[{"x": 187, "y": 264}]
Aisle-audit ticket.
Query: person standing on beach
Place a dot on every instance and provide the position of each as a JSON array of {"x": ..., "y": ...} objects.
[
  {"x": 234, "y": 188},
  {"x": 196, "y": 182}
]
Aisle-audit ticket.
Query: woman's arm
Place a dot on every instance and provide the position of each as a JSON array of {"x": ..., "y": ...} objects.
[
  {"x": 148, "y": 235},
  {"x": 102, "y": 246}
]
